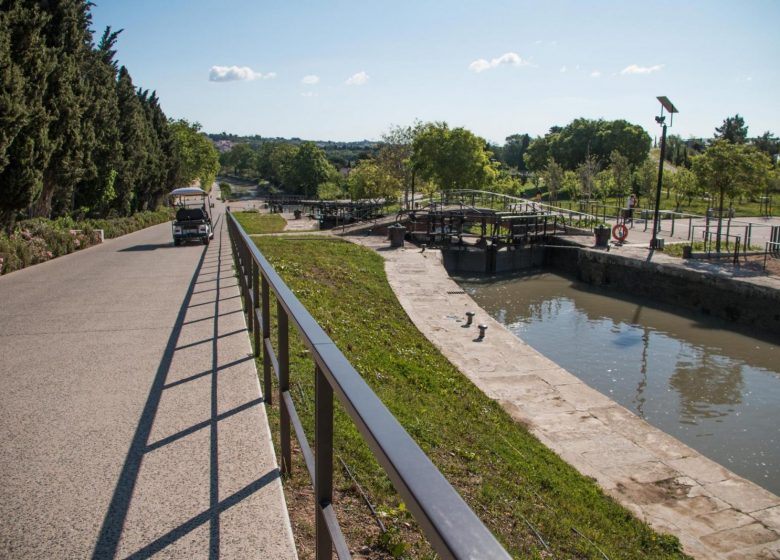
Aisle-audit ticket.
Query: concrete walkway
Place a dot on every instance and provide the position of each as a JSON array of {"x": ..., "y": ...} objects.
[
  {"x": 715, "y": 513},
  {"x": 131, "y": 418}
]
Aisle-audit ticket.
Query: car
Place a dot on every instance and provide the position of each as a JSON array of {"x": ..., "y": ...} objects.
[{"x": 193, "y": 215}]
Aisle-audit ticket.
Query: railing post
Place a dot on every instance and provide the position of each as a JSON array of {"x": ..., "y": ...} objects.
[
  {"x": 323, "y": 468},
  {"x": 242, "y": 276},
  {"x": 266, "y": 315},
  {"x": 283, "y": 335},
  {"x": 255, "y": 306}
]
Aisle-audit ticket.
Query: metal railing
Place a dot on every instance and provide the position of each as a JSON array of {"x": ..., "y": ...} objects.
[{"x": 451, "y": 527}]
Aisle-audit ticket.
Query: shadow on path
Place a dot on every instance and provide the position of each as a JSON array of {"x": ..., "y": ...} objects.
[{"x": 127, "y": 487}]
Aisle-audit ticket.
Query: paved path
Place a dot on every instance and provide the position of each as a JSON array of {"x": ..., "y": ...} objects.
[
  {"x": 679, "y": 230},
  {"x": 131, "y": 419},
  {"x": 715, "y": 513}
]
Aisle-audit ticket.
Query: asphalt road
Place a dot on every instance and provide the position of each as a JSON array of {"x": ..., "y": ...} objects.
[{"x": 131, "y": 419}]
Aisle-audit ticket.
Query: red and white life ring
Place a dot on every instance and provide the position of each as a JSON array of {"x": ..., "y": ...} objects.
[{"x": 620, "y": 232}]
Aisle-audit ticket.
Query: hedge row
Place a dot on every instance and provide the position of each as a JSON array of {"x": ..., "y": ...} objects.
[{"x": 39, "y": 240}]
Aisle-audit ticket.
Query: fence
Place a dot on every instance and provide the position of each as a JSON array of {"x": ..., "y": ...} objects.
[
  {"x": 773, "y": 245},
  {"x": 448, "y": 523}
]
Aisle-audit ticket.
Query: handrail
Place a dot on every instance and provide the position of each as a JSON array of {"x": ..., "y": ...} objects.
[{"x": 451, "y": 527}]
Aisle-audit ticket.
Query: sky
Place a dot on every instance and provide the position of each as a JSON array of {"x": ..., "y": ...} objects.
[{"x": 349, "y": 70}]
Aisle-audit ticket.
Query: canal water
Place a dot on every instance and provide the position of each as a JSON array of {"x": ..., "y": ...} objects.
[{"x": 691, "y": 376}]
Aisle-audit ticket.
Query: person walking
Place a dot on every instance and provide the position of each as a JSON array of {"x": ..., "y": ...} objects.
[{"x": 632, "y": 202}]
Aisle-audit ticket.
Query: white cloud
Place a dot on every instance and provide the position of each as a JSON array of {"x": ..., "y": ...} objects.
[
  {"x": 309, "y": 94},
  {"x": 237, "y": 74},
  {"x": 510, "y": 58},
  {"x": 636, "y": 69},
  {"x": 359, "y": 79},
  {"x": 310, "y": 80},
  {"x": 563, "y": 69},
  {"x": 595, "y": 74}
]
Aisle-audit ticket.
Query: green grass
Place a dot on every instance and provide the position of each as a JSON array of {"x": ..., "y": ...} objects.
[
  {"x": 255, "y": 223},
  {"x": 505, "y": 474}
]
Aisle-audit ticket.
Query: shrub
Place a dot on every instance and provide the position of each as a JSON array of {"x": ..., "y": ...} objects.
[{"x": 38, "y": 240}]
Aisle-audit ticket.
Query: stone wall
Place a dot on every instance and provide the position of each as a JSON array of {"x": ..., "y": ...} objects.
[{"x": 737, "y": 300}]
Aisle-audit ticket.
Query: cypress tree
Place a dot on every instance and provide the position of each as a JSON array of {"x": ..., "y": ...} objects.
[
  {"x": 68, "y": 37},
  {"x": 96, "y": 190},
  {"x": 25, "y": 65},
  {"x": 132, "y": 134}
]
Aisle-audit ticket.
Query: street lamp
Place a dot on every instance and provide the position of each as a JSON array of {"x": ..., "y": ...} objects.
[{"x": 665, "y": 104}]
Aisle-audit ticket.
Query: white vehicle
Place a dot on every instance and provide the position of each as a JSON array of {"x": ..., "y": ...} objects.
[{"x": 193, "y": 215}]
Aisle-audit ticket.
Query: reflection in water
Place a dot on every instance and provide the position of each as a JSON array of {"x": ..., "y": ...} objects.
[
  {"x": 703, "y": 380},
  {"x": 714, "y": 389}
]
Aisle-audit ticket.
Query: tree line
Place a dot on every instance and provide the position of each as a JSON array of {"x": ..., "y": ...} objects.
[
  {"x": 424, "y": 157},
  {"x": 586, "y": 159},
  {"x": 77, "y": 136}
]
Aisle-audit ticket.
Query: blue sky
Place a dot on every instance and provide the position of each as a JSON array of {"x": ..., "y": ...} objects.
[{"x": 347, "y": 70}]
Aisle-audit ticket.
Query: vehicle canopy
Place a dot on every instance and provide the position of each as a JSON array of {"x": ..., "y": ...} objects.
[
  {"x": 189, "y": 196},
  {"x": 190, "y": 199}
]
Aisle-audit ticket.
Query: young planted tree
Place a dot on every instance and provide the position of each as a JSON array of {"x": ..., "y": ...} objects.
[
  {"x": 621, "y": 175},
  {"x": 731, "y": 170},
  {"x": 586, "y": 173},
  {"x": 686, "y": 186},
  {"x": 553, "y": 177},
  {"x": 646, "y": 178},
  {"x": 395, "y": 156}
]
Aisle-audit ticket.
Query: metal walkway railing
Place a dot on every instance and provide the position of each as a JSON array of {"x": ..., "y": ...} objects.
[{"x": 448, "y": 523}]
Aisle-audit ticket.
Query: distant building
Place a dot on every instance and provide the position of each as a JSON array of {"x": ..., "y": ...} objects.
[{"x": 223, "y": 146}]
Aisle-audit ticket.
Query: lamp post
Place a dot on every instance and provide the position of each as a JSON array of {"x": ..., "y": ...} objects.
[{"x": 665, "y": 104}]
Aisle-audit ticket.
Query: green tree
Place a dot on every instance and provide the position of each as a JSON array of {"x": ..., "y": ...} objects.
[
  {"x": 25, "y": 65},
  {"x": 132, "y": 134},
  {"x": 538, "y": 153},
  {"x": 241, "y": 158},
  {"x": 196, "y": 157},
  {"x": 733, "y": 130},
  {"x": 395, "y": 155},
  {"x": 370, "y": 180},
  {"x": 686, "y": 186},
  {"x": 308, "y": 170},
  {"x": 69, "y": 40},
  {"x": 553, "y": 176},
  {"x": 731, "y": 169},
  {"x": 767, "y": 143},
  {"x": 584, "y": 138},
  {"x": 281, "y": 161},
  {"x": 514, "y": 151},
  {"x": 452, "y": 158},
  {"x": 646, "y": 178},
  {"x": 586, "y": 173},
  {"x": 621, "y": 175},
  {"x": 571, "y": 185},
  {"x": 96, "y": 190}
]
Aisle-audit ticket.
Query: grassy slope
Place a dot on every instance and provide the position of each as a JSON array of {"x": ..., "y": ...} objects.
[
  {"x": 254, "y": 222},
  {"x": 509, "y": 479}
]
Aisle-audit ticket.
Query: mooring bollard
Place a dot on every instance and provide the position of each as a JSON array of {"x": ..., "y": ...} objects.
[
  {"x": 482, "y": 329},
  {"x": 469, "y": 318}
]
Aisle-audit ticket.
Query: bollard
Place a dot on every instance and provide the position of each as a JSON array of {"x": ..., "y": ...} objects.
[
  {"x": 482, "y": 329},
  {"x": 469, "y": 319}
]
